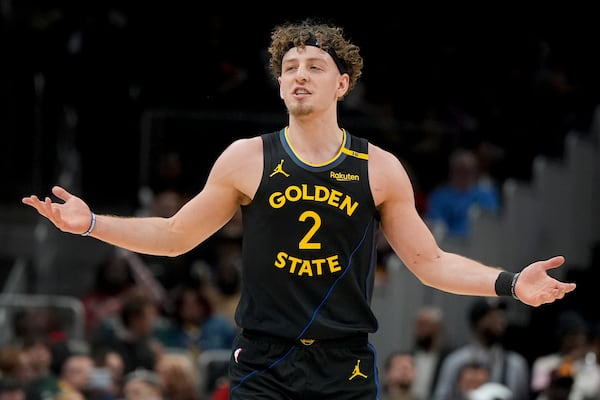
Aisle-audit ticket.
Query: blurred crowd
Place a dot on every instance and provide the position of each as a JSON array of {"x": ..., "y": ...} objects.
[
  {"x": 136, "y": 348},
  {"x": 154, "y": 329},
  {"x": 488, "y": 367}
]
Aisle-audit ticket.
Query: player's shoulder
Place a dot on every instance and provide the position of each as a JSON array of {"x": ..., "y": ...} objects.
[
  {"x": 381, "y": 158},
  {"x": 245, "y": 145},
  {"x": 386, "y": 173},
  {"x": 241, "y": 151}
]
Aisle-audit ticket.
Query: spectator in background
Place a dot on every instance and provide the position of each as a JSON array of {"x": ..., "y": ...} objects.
[
  {"x": 75, "y": 377},
  {"x": 193, "y": 327},
  {"x": 10, "y": 389},
  {"x": 131, "y": 334},
  {"x": 449, "y": 206},
  {"x": 400, "y": 376},
  {"x": 142, "y": 384},
  {"x": 46, "y": 323},
  {"x": 109, "y": 367},
  {"x": 471, "y": 376},
  {"x": 559, "y": 387},
  {"x": 44, "y": 382},
  {"x": 474, "y": 384},
  {"x": 177, "y": 376},
  {"x": 572, "y": 369},
  {"x": 488, "y": 322},
  {"x": 489, "y": 159},
  {"x": 113, "y": 278},
  {"x": 219, "y": 270},
  {"x": 429, "y": 349},
  {"x": 15, "y": 364},
  {"x": 223, "y": 290}
]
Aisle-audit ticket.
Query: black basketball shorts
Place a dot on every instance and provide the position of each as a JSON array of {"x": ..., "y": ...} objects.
[{"x": 269, "y": 367}]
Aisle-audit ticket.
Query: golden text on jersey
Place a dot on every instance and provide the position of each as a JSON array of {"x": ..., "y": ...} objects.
[
  {"x": 309, "y": 245},
  {"x": 309, "y": 196}
]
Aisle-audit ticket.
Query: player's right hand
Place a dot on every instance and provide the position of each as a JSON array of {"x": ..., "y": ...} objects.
[{"x": 72, "y": 215}]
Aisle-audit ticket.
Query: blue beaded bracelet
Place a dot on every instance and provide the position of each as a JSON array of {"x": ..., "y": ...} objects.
[{"x": 92, "y": 225}]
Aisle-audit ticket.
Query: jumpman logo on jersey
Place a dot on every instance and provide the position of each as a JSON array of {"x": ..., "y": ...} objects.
[
  {"x": 279, "y": 169},
  {"x": 356, "y": 372}
]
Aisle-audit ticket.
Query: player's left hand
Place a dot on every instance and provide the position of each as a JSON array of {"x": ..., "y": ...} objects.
[{"x": 536, "y": 287}]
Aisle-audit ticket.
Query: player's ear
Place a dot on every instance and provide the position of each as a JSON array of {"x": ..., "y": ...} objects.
[
  {"x": 280, "y": 93},
  {"x": 343, "y": 85}
]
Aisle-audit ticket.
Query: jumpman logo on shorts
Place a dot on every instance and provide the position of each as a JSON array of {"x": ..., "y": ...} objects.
[
  {"x": 356, "y": 372},
  {"x": 279, "y": 169}
]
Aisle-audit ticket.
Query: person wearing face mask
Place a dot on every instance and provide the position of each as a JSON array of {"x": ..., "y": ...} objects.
[
  {"x": 488, "y": 322},
  {"x": 429, "y": 349}
]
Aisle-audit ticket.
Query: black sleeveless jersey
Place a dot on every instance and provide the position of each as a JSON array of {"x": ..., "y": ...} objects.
[{"x": 309, "y": 244}]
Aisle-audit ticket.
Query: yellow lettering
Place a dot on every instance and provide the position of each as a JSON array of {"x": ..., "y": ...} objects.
[
  {"x": 334, "y": 264},
  {"x": 348, "y": 205},
  {"x": 280, "y": 259},
  {"x": 293, "y": 193},
  {"x": 277, "y": 200},
  {"x": 321, "y": 193},
  {"x": 305, "y": 268},
  {"x": 305, "y": 195},
  {"x": 294, "y": 261},
  {"x": 334, "y": 198},
  {"x": 319, "y": 265},
  {"x": 300, "y": 267}
]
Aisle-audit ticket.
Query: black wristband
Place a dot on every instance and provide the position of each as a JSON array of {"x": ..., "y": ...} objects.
[{"x": 505, "y": 284}]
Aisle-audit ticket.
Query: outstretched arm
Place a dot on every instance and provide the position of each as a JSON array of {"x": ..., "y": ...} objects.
[
  {"x": 148, "y": 235},
  {"x": 231, "y": 182},
  {"x": 416, "y": 246}
]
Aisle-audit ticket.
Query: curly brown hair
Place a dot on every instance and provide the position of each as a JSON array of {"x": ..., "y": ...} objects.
[{"x": 330, "y": 38}]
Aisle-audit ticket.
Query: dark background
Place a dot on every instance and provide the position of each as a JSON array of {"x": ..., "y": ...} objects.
[{"x": 76, "y": 78}]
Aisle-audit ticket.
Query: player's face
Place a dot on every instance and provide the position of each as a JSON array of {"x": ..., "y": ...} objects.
[{"x": 310, "y": 81}]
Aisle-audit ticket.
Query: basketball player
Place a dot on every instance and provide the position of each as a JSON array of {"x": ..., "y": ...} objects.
[{"x": 312, "y": 197}]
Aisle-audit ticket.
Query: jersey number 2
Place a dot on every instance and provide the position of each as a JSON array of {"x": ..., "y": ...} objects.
[{"x": 305, "y": 243}]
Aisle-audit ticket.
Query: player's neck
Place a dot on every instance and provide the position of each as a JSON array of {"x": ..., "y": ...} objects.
[{"x": 315, "y": 141}]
